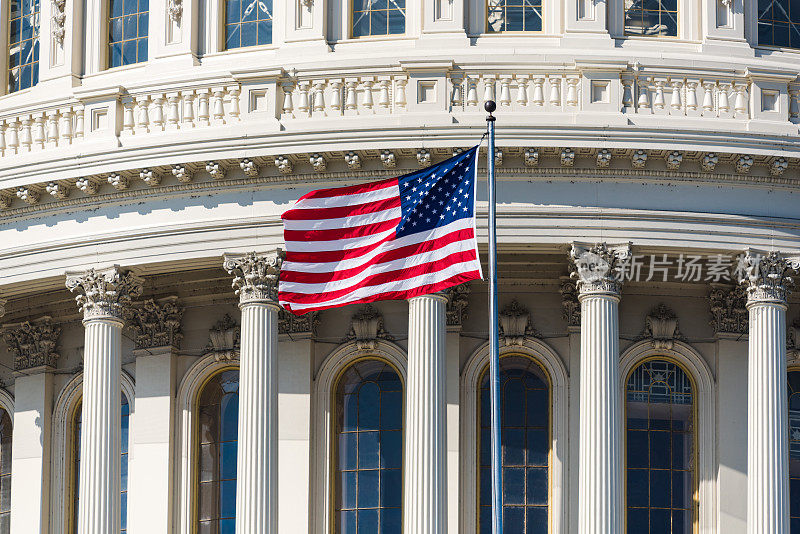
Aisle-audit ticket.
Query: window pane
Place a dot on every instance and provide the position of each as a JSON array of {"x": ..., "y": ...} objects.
[
  {"x": 659, "y": 438},
  {"x": 525, "y": 444},
  {"x": 218, "y": 411},
  {"x": 779, "y": 23},
  {"x": 381, "y": 17},
  {"x": 368, "y": 413},
  {"x": 651, "y": 17},
  {"x": 23, "y": 44},
  {"x": 248, "y": 23},
  {"x": 127, "y": 32},
  {"x": 514, "y": 15}
]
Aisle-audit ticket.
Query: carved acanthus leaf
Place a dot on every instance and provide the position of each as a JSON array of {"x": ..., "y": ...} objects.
[
  {"x": 33, "y": 343},
  {"x": 457, "y": 301},
  {"x": 255, "y": 276},
  {"x": 289, "y": 323},
  {"x": 793, "y": 343},
  {"x": 661, "y": 328},
  {"x": 367, "y": 328},
  {"x": 223, "y": 339},
  {"x": 571, "y": 308},
  {"x": 105, "y": 292},
  {"x": 768, "y": 277},
  {"x": 156, "y": 323},
  {"x": 728, "y": 309},
  {"x": 515, "y": 324},
  {"x": 597, "y": 268}
]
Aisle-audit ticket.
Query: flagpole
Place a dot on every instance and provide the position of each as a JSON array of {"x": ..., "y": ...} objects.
[{"x": 494, "y": 338}]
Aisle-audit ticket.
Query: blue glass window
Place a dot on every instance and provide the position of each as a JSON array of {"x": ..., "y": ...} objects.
[
  {"x": 248, "y": 23},
  {"x": 514, "y": 16},
  {"x": 794, "y": 450},
  {"x": 369, "y": 449},
  {"x": 219, "y": 434},
  {"x": 379, "y": 17},
  {"x": 23, "y": 44},
  {"x": 779, "y": 23},
  {"x": 127, "y": 32},
  {"x": 76, "y": 455},
  {"x": 660, "y": 455},
  {"x": 651, "y": 17},
  {"x": 525, "y": 442},
  {"x": 5, "y": 472}
]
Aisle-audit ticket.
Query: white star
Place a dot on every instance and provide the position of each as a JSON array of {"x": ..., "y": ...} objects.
[
  {"x": 414, "y": 223},
  {"x": 796, "y": 434},
  {"x": 448, "y": 208},
  {"x": 442, "y": 216},
  {"x": 427, "y": 219},
  {"x": 413, "y": 188},
  {"x": 408, "y": 197},
  {"x": 441, "y": 202},
  {"x": 465, "y": 208}
]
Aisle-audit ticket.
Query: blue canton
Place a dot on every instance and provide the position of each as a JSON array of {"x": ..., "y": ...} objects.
[{"x": 438, "y": 195}]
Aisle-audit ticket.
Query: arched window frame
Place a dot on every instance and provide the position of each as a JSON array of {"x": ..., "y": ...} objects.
[
  {"x": 553, "y": 366},
  {"x": 793, "y": 366},
  {"x": 61, "y": 494},
  {"x": 322, "y": 462},
  {"x": 704, "y": 385},
  {"x": 7, "y": 404},
  {"x": 186, "y": 467}
]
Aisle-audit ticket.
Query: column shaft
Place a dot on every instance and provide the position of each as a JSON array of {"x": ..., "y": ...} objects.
[
  {"x": 599, "y": 447},
  {"x": 767, "y": 419},
  {"x": 99, "y": 493},
  {"x": 425, "y": 481},
  {"x": 257, "y": 470}
]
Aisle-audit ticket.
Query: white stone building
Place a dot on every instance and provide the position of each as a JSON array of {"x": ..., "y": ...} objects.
[{"x": 147, "y": 147}]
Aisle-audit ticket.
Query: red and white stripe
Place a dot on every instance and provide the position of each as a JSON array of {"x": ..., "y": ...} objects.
[{"x": 342, "y": 248}]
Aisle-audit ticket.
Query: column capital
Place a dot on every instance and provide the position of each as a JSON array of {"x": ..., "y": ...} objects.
[
  {"x": 104, "y": 293},
  {"x": 255, "y": 275},
  {"x": 33, "y": 343},
  {"x": 768, "y": 276},
  {"x": 457, "y": 302},
  {"x": 597, "y": 268},
  {"x": 156, "y": 323}
]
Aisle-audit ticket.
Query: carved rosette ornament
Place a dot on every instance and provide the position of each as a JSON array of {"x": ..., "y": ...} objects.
[
  {"x": 367, "y": 328},
  {"x": 661, "y": 328},
  {"x": 33, "y": 343},
  {"x": 728, "y": 309},
  {"x": 570, "y": 307},
  {"x": 104, "y": 293},
  {"x": 223, "y": 339},
  {"x": 597, "y": 268},
  {"x": 457, "y": 302},
  {"x": 156, "y": 323},
  {"x": 768, "y": 277},
  {"x": 302, "y": 325},
  {"x": 515, "y": 324},
  {"x": 255, "y": 276}
]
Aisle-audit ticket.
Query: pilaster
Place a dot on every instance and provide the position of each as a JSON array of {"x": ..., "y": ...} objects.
[
  {"x": 255, "y": 280},
  {"x": 102, "y": 296}
]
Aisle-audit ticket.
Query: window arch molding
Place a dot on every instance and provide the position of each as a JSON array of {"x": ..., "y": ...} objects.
[
  {"x": 190, "y": 387},
  {"x": 7, "y": 404},
  {"x": 322, "y": 420},
  {"x": 63, "y": 411},
  {"x": 692, "y": 363},
  {"x": 549, "y": 360}
]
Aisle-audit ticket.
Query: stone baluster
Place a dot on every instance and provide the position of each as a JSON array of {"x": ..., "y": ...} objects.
[
  {"x": 472, "y": 91},
  {"x": 627, "y": 92},
  {"x": 658, "y": 100},
  {"x": 12, "y": 136},
  {"x": 596, "y": 269},
  {"x": 234, "y": 91},
  {"x": 691, "y": 96},
  {"x": 303, "y": 105},
  {"x": 188, "y": 109},
  {"x": 27, "y": 138},
  {"x": 319, "y": 96},
  {"x": 505, "y": 91},
  {"x": 143, "y": 115},
  {"x": 256, "y": 283},
  {"x": 794, "y": 105},
  {"x": 724, "y": 103},
  {"x": 158, "y": 112},
  {"x": 740, "y": 104},
  {"x": 400, "y": 98},
  {"x": 425, "y": 479},
  {"x": 203, "y": 111},
  {"x": 368, "y": 100},
  {"x": 555, "y": 91},
  {"x": 336, "y": 97},
  {"x": 488, "y": 88},
  {"x": 103, "y": 295},
  {"x": 522, "y": 91},
  {"x": 708, "y": 97},
  {"x": 675, "y": 99},
  {"x": 79, "y": 123},
  {"x": 219, "y": 104},
  {"x": 350, "y": 100},
  {"x": 66, "y": 126},
  {"x": 643, "y": 101},
  {"x": 538, "y": 91},
  {"x": 38, "y": 130},
  {"x": 572, "y": 91},
  {"x": 458, "y": 99},
  {"x": 2, "y": 138},
  {"x": 128, "y": 119},
  {"x": 52, "y": 127},
  {"x": 173, "y": 110},
  {"x": 767, "y": 282}
]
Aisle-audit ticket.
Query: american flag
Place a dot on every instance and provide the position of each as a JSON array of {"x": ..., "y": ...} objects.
[{"x": 385, "y": 240}]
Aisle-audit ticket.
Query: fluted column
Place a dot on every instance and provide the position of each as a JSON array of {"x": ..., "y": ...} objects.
[
  {"x": 103, "y": 294},
  {"x": 255, "y": 281},
  {"x": 599, "y": 450},
  {"x": 425, "y": 482},
  {"x": 767, "y": 285}
]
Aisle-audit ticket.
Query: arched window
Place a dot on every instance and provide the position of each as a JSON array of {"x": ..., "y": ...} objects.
[
  {"x": 378, "y": 17},
  {"x": 368, "y": 421},
  {"x": 525, "y": 439},
  {"x": 660, "y": 456},
  {"x": 248, "y": 23},
  {"x": 651, "y": 17},
  {"x": 76, "y": 462},
  {"x": 794, "y": 450},
  {"x": 23, "y": 44},
  {"x": 514, "y": 16},
  {"x": 5, "y": 471},
  {"x": 779, "y": 23},
  {"x": 218, "y": 410},
  {"x": 127, "y": 32}
]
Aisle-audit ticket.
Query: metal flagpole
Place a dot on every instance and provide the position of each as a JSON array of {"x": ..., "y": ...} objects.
[{"x": 494, "y": 362}]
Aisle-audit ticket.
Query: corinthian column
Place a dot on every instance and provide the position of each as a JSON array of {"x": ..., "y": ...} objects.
[
  {"x": 255, "y": 279},
  {"x": 425, "y": 479},
  {"x": 599, "y": 451},
  {"x": 767, "y": 283},
  {"x": 103, "y": 295}
]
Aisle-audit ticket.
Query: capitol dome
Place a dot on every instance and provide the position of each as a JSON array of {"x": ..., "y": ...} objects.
[{"x": 648, "y": 204}]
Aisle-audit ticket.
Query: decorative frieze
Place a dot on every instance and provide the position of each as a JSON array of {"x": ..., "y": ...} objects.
[
  {"x": 423, "y": 157},
  {"x": 596, "y": 268},
  {"x": 567, "y": 157},
  {"x": 639, "y": 159},
  {"x": 87, "y": 185},
  {"x": 778, "y": 167},
  {"x": 768, "y": 277},
  {"x": 156, "y": 323},
  {"x": 29, "y": 195},
  {"x": 104, "y": 293},
  {"x": 216, "y": 170},
  {"x": 744, "y": 163},
  {"x": 255, "y": 276},
  {"x": 531, "y": 157},
  {"x": 249, "y": 167},
  {"x": 388, "y": 159},
  {"x": 223, "y": 339},
  {"x": 570, "y": 306},
  {"x": 709, "y": 161},
  {"x": 604, "y": 158},
  {"x": 515, "y": 324},
  {"x": 118, "y": 181},
  {"x": 284, "y": 165},
  {"x": 673, "y": 160},
  {"x": 182, "y": 173},
  {"x": 366, "y": 328},
  {"x": 353, "y": 160},
  {"x": 661, "y": 327},
  {"x": 728, "y": 309},
  {"x": 57, "y": 190},
  {"x": 317, "y": 161},
  {"x": 457, "y": 302},
  {"x": 33, "y": 343},
  {"x": 291, "y": 324},
  {"x": 151, "y": 177}
]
